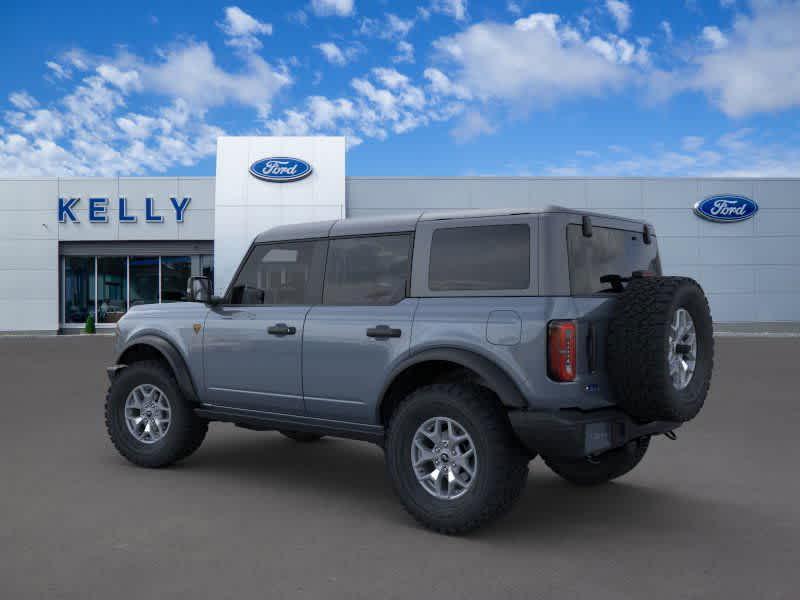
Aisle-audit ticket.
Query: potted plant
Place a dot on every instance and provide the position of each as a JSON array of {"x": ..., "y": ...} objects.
[{"x": 89, "y": 328}]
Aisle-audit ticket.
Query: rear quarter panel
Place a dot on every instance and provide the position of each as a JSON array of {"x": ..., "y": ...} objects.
[{"x": 462, "y": 323}]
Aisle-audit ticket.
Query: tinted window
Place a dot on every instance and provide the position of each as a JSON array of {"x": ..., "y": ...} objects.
[
  {"x": 367, "y": 270},
  {"x": 282, "y": 273},
  {"x": 488, "y": 257},
  {"x": 607, "y": 252}
]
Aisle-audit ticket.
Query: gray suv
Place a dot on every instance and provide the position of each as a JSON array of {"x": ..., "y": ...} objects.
[{"x": 465, "y": 344}]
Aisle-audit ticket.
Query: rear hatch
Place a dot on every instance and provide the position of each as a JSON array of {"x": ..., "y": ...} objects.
[{"x": 601, "y": 260}]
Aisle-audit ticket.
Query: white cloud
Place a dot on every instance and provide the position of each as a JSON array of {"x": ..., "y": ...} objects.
[
  {"x": 243, "y": 29},
  {"x": 391, "y": 27},
  {"x": 441, "y": 84},
  {"x": 735, "y": 154},
  {"x": 471, "y": 125},
  {"x": 514, "y": 8},
  {"x": 58, "y": 70},
  {"x": 91, "y": 131},
  {"x": 405, "y": 52},
  {"x": 621, "y": 11},
  {"x": 398, "y": 27},
  {"x": 666, "y": 27},
  {"x": 336, "y": 55},
  {"x": 692, "y": 143},
  {"x": 727, "y": 3},
  {"x": 453, "y": 8},
  {"x": 537, "y": 60},
  {"x": 127, "y": 80},
  {"x": 385, "y": 101},
  {"x": 339, "y": 8},
  {"x": 715, "y": 37},
  {"x": 22, "y": 100},
  {"x": 758, "y": 70},
  {"x": 191, "y": 72}
]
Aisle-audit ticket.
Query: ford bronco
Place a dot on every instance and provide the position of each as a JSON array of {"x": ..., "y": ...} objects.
[{"x": 464, "y": 344}]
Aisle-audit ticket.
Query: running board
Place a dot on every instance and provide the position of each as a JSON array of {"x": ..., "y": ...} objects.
[{"x": 267, "y": 421}]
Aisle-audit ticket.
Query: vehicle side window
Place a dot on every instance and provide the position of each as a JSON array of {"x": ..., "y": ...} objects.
[
  {"x": 484, "y": 257},
  {"x": 370, "y": 270},
  {"x": 281, "y": 273}
]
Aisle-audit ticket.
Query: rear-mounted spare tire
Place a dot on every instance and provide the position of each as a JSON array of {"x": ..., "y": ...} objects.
[{"x": 661, "y": 349}]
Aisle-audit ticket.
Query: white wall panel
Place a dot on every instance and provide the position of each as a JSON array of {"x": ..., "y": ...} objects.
[
  {"x": 246, "y": 205},
  {"x": 603, "y": 194}
]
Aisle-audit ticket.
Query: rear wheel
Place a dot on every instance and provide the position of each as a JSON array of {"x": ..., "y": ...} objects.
[
  {"x": 147, "y": 418},
  {"x": 601, "y": 469},
  {"x": 302, "y": 436},
  {"x": 452, "y": 457}
]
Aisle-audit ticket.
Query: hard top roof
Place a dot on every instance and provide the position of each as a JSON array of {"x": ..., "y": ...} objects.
[{"x": 402, "y": 222}]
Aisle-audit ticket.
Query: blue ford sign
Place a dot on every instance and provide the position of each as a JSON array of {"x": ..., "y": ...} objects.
[
  {"x": 726, "y": 209},
  {"x": 280, "y": 169}
]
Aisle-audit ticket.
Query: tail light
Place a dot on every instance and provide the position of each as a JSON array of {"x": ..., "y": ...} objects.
[{"x": 561, "y": 343}]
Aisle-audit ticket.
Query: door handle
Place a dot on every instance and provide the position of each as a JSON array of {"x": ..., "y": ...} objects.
[
  {"x": 383, "y": 331},
  {"x": 281, "y": 329}
]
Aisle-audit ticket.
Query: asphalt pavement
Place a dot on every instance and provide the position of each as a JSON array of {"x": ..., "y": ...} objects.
[{"x": 715, "y": 514}]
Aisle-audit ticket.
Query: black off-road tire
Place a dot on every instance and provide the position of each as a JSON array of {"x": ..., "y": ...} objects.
[
  {"x": 302, "y": 437},
  {"x": 638, "y": 348},
  {"x": 186, "y": 431},
  {"x": 502, "y": 468},
  {"x": 601, "y": 469}
]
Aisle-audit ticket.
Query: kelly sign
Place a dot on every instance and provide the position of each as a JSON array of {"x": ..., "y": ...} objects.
[{"x": 99, "y": 208}]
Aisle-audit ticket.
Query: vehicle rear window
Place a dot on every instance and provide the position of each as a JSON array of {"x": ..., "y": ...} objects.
[
  {"x": 607, "y": 252},
  {"x": 486, "y": 257},
  {"x": 367, "y": 270}
]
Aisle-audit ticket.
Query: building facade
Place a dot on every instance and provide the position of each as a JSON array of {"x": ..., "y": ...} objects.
[{"x": 71, "y": 248}]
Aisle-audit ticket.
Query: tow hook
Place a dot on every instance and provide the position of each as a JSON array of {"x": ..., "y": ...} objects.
[{"x": 670, "y": 435}]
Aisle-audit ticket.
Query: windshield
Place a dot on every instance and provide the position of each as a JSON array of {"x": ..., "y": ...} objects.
[{"x": 607, "y": 252}]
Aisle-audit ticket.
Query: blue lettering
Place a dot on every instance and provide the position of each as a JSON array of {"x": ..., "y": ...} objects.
[
  {"x": 149, "y": 215},
  {"x": 97, "y": 210},
  {"x": 124, "y": 217},
  {"x": 65, "y": 210},
  {"x": 180, "y": 208}
]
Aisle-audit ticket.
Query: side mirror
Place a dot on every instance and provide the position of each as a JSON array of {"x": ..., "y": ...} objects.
[{"x": 199, "y": 290}]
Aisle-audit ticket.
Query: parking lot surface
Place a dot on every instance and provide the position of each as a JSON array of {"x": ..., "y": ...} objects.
[{"x": 715, "y": 514}]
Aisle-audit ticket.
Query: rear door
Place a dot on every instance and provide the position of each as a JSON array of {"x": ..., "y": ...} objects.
[
  {"x": 253, "y": 341},
  {"x": 362, "y": 327}
]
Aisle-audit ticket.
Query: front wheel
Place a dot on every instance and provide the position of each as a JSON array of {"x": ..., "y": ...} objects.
[
  {"x": 601, "y": 469},
  {"x": 148, "y": 420},
  {"x": 452, "y": 457}
]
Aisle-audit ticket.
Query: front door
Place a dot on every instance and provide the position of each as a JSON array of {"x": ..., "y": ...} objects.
[
  {"x": 253, "y": 340},
  {"x": 362, "y": 328}
]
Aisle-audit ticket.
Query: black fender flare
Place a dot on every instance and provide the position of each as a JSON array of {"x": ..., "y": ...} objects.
[
  {"x": 496, "y": 379},
  {"x": 173, "y": 358}
]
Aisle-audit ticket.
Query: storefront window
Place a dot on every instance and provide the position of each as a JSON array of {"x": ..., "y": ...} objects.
[
  {"x": 207, "y": 267},
  {"x": 112, "y": 288},
  {"x": 144, "y": 280},
  {"x": 78, "y": 288},
  {"x": 123, "y": 281},
  {"x": 175, "y": 273}
]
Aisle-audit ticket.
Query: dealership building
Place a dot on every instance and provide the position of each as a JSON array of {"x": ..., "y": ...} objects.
[{"x": 71, "y": 247}]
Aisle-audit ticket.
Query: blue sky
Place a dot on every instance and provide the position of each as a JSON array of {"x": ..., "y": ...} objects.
[{"x": 437, "y": 87}]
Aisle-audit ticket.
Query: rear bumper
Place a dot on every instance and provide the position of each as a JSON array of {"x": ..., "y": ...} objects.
[{"x": 577, "y": 434}]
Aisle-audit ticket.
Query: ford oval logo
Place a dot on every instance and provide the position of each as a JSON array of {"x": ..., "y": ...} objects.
[
  {"x": 726, "y": 209},
  {"x": 280, "y": 169}
]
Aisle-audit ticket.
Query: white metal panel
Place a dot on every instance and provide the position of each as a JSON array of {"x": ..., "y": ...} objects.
[
  {"x": 605, "y": 194},
  {"x": 246, "y": 205},
  {"x": 670, "y": 193}
]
